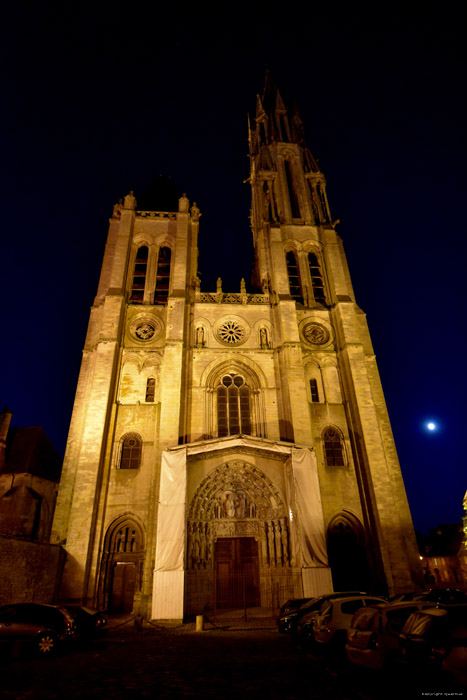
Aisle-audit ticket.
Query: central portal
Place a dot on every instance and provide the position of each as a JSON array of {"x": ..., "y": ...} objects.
[{"x": 237, "y": 572}]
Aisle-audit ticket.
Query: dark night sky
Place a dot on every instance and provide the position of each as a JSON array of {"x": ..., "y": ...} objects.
[{"x": 100, "y": 100}]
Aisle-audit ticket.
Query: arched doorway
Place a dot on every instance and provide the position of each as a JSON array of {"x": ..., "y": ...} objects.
[
  {"x": 347, "y": 554},
  {"x": 238, "y": 541},
  {"x": 122, "y": 564}
]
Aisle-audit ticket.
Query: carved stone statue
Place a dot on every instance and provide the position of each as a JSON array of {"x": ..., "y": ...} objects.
[
  {"x": 264, "y": 339},
  {"x": 200, "y": 336},
  {"x": 130, "y": 201},
  {"x": 219, "y": 286},
  {"x": 195, "y": 212},
  {"x": 183, "y": 203},
  {"x": 228, "y": 505},
  {"x": 242, "y": 286},
  {"x": 240, "y": 504},
  {"x": 285, "y": 542},
  {"x": 117, "y": 210}
]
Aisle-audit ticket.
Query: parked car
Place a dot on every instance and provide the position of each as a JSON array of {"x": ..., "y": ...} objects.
[
  {"x": 442, "y": 596},
  {"x": 436, "y": 639},
  {"x": 88, "y": 623},
  {"x": 373, "y": 635},
  {"x": 44, "y": 627},
  {"x": 333, "y": 620},
  {"x": 293, "y": 604},
  {"x": 288, "y": 622}
]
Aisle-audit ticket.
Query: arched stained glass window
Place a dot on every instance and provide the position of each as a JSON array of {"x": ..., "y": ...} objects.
[
  {"x": 161, "y": 291},
  {"x": 139, "y": 275},
  {"x": 131, "y": 452},
  {"x": 316, "y": 279},
  {"x": 294, "y": 276},
  {"x": 333, "y": 447},
  {"x": 233, "y": 406}
]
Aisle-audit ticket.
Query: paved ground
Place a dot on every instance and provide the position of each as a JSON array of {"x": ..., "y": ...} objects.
[{"x": 179, "y": 662}]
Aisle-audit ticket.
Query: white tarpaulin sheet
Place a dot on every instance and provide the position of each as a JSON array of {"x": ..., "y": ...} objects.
[
  {"x": 171, "y": 517},
  {"x": 307, "y": 521}
]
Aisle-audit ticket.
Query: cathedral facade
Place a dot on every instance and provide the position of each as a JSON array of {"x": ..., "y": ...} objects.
[{"x": 231, "y": 448}]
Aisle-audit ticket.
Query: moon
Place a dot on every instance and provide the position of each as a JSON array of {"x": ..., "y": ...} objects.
[{"x": 431, "y": 426}]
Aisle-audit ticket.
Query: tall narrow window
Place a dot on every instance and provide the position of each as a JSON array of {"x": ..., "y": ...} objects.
[
  {"x": 131, "y": 452},
  {"x": 316, "y": 279},
  {"x": 294, "y": 206},
  {"x": 314, "y": 390},
  {"x": 294, "y": 276},
  {"x": 150, "y": 389},
  {"x": 139, "y": 275},
  {"x": 233, "y": 406},
  {"x": 163, "y": 276},
  {"x": 322, "y": 201},
  {"x": 333, "y": 448}
]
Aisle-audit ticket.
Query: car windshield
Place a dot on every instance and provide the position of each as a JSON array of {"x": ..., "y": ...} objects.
[
  {"x": 364, "y": 618},
  {"x": 418, "y": 624}
]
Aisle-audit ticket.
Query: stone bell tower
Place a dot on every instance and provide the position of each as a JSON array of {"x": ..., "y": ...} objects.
[
  {"x": 231, "y": 448},
  {"x": 325, "y": 355}
]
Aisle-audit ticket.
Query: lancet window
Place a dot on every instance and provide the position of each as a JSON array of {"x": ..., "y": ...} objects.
[
  {"x": 322, "y": 201},
  {"x": 150, "y": 389},
  {"x": 314, "y": 390},
  {"x": 139, "y": 275},
  {"x": 161, "y": 291},
  {"x": 233, "y": 406},
  {"x": 333, "y": 447},
  {"x": 294, "y": 206},
  {"x": 294, "y": 276},
  {"x": 131, "y": 452},
  {"x": 316, "y": 279}
]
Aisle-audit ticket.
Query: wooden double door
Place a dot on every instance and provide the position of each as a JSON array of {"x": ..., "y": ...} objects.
[
  {"x": 237, "y": 572},
  {"x": 123, "y": 587}
]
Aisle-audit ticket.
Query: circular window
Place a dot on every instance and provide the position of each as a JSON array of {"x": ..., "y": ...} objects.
[
  {"x": 316, "y": 334},
  {"x": 145, "y": 327},
  {"x": 231, "y": 332},
  {"x": 145, "y": 331}
]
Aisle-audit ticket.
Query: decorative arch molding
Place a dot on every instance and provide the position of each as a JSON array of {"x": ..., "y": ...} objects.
[
  {"x": 350, "y": 522},
  {"x": 165, "y": 240},
  {"x": 133, "y": 359},
  {"x": 237, "y": 499},
  {"x": 214, "y": 372},
  {"x": 292, "y": 245},
  {"x": 111, "y": 544},
  {"x": 288, "y": 153},
  {"x": 141, "y": 239},
  {"x": 311, "y": 361},
  {"x": 329, "y": 361},
  {"x": 312, "y": 246}
]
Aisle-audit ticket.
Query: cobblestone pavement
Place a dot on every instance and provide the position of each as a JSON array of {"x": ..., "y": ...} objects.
[{"x": 158, "y": 662}]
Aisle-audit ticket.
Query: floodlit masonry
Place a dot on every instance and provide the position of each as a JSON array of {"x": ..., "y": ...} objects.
[{"x": 231, "y": 448}]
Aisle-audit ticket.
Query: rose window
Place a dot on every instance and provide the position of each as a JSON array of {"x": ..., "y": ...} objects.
[
  {"x": 231, "y": 332},
  {"x": 145, "y": 331},
  {"x": 316, "y": 333}
]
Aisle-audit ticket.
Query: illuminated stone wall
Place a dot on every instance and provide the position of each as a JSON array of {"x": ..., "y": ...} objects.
[
  {"x": 30, "y": 571},
  {"x": 275, "y": 343}
]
